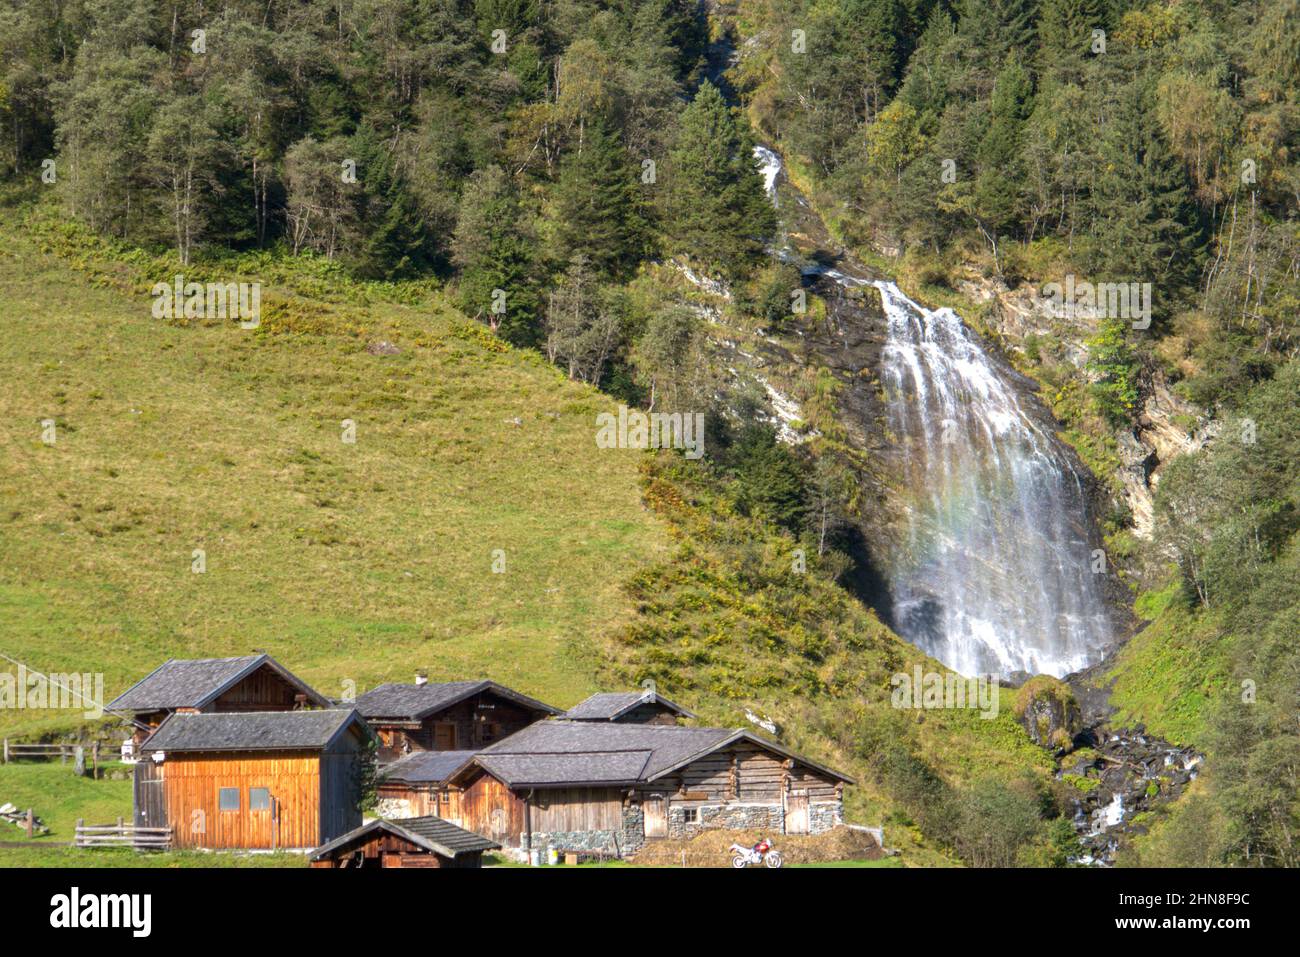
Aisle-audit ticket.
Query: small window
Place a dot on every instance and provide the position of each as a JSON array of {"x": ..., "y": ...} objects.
[
  {"x": 690, "y": 815},
  {"x": 259, "y": 799},
  {"x": 228, "y": 799}
]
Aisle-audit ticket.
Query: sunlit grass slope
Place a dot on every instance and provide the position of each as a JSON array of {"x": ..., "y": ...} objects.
[{"x": 349, "y": 562}]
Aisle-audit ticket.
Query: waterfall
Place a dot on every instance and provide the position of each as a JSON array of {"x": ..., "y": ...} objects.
[{"x": 996, "y": 572}]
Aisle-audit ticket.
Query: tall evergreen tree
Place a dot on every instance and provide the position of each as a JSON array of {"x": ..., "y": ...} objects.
[
  {"x": 719, "y": 212},
  {"x": 597, "y": 205}
]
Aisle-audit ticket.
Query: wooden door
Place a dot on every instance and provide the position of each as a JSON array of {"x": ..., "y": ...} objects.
[
  {"x": 656, "y": 817},
  {"x": 444, "y": 736},
  {"x": 150, "y": 802},
  {"x": 796, "y": 814}
]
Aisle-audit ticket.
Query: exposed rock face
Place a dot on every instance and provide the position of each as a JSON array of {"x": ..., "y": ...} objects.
[
  {"x": 1049, "y": 713},
  {"x": 1157, "y": 438}
]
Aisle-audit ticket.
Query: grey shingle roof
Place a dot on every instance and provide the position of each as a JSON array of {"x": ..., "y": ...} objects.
[
  {"x": 251, "y": 731},
  {"x": 611, "y": 705},
  {"x": 589, "y": 768},
  {"x": 414, "y": 702},
  {"x": 585, "y": 752},
  {"x": 560, "y": 753},
  {"x": 435, "y": 834},
  {"x": 192, "y": 683},
  {"x": 427, "y": 767}
]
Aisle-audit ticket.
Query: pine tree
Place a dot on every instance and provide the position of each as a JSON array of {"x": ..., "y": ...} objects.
[
  {"x": 998, "y": 188},
  {"x": 719, "y": 212},
  {"x": 596, "y": 205},
  {"x": 497, "y": 281},
  {"x": 1145, "y": 225}
]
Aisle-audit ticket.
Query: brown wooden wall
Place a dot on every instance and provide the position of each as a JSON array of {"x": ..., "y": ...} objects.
[
  {"x": 490, "y": 808},
  {"x": 577, "y": 809},
  {"x": 191, "y": 783},
  {"x": 746, "y": 773},
  {"x": 263, "y": 690},
  {"x": 473, "y": 723}
]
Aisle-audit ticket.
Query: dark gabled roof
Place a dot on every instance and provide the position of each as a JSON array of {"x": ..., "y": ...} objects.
[
  {"x": 193, "y": 683},
  {"x": 253, "y": 731},
  {"x": 564, "y": 753},
  {"x": 415, "y": 702},
  {"x": 427, "y": 767},
  {"x": 612, "y": 705},
  {"x": 432, "y": 833}
]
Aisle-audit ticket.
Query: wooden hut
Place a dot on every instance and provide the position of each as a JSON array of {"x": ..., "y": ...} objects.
[
  {"x": 585, "y": 785},
  {"x": 213, "y": 685},
  {"x": 447, "y": 716},
  {"x": 409, "y": 842},
  {"x": 628, "y": 707},
  {"x": 265, "y": 780}
]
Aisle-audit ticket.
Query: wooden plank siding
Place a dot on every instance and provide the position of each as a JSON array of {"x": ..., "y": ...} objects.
[
  {"x": 192, "y": 783},
  {"x": 490, "y": 808},
  {"x": 557, "y": 810},
  {"x": 263, "y": 690},
  {"x": 473, "y": 723}
]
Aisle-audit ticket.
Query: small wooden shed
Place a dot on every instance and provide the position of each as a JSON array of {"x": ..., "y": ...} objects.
[{"x": 407, "y": 842}]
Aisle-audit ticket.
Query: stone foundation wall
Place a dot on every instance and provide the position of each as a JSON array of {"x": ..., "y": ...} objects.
[
  {"x": 735, "y": 817},
  {"x": 391, "y": 808},
  {"x": 825, "y": 817}
]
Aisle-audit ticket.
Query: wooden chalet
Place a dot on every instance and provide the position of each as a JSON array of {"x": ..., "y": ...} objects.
[
  {"x": 213, "y": 685},
  {"x": 263, "y": 780},
  {"x": 587, "y": 785},
  {"x": 410, "y": 842},
  {"x": 629, "y": 707},
  {"x": 448, "y": 716}
]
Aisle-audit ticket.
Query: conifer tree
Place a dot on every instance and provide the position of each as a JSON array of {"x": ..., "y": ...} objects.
[
  {"x": 719, "y": 212},
  {"x": 597, "y": 204}
]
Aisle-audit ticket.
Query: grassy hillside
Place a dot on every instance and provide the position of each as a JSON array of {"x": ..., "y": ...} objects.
[{"x": 352, "y": 562}]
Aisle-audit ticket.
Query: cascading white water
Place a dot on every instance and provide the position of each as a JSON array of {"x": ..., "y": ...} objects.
[{"x": 997, "y": 575}]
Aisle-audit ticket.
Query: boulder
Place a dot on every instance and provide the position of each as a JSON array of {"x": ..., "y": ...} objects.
[{"x": 1049, "y": 712}]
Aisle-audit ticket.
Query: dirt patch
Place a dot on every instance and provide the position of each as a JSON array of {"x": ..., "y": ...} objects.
[{"x": 712, "y": 848}]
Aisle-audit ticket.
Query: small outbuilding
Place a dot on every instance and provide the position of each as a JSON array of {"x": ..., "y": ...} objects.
[{"x": 408, "y": 842}]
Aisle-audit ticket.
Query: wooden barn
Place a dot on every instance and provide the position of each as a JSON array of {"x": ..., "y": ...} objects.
[
  {"x": 587, "y": 785},
  {"x": 410, "y": 842},
  {"x": 416, "y": 785},
  {"x": 629, "y": 707},
  {"x": 260, "y": 780},
  {"x": 213, "y": 685},
  {"x": 447, "y": 716}
]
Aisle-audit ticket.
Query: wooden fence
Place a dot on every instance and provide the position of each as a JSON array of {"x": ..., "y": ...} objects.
[
  {"x": 15, "y": 751},
  {"x": 122, "y": 834}
]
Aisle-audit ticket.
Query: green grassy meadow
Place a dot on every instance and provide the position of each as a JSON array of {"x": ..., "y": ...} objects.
[{"x": 351, "y": 563}]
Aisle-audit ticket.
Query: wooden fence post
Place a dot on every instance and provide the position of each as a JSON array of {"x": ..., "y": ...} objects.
[
  {"x": 6, "y": 750},
  {"x": 94, "y": 762},
  {"x": 31, "y": 822}
]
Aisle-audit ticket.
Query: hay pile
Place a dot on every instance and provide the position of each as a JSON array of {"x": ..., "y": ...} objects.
[{"x": 711, "y": 848}]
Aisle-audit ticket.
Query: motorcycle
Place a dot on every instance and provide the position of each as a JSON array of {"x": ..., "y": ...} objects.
[{"x": 760, "y": 853}]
